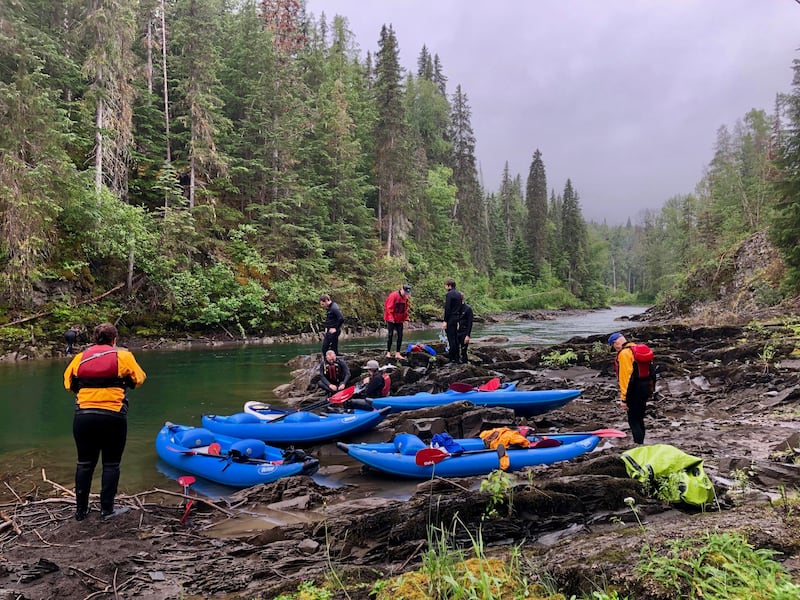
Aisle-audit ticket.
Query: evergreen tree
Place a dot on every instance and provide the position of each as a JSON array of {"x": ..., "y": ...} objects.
[
  {"x": 109, "y": 31},
  {"x": 785, "y": 228},
  {"x": 196, "y": 34},
  {"x": 536, "y": 221},
  {"x": 470, "y": 210},
  {"x": 574, "y": 241},
  {"x": 392, "y": 147}
]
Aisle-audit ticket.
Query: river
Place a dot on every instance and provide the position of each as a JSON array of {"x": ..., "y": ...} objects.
[{"x": 36, "y": 411}]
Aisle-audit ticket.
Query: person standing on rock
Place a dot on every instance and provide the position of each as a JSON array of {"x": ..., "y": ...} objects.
[
  {"x": 395, "y": 313},
  {"x": 452, "y": 312},
  {"x": 99, "y": 377},
  {"x": 633, "y": 398},
  {"x": 333, "y": 324},
  {"x": 465, "y": 319}
]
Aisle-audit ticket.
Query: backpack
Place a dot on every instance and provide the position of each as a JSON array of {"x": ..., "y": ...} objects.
[
  {"x": 387, "y": 385},
  {"x": 643, "y": 377}
]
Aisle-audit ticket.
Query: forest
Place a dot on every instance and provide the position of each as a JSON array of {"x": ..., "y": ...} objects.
[{"x": 201, "y": 165}]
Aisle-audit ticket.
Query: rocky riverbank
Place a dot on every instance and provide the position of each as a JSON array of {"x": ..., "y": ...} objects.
[{"x": 730, "y": 395}]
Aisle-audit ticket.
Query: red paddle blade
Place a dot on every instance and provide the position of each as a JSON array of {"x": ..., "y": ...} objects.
[
  {"x": 430, "y": 456},
  {"x": 460, "y": 387},
  {"x": 214, "y": 448},
  {"x": 603, "y": 433},
  {"x": 343, "y": 396},
  {"x": 490, "y": 385},
  {"x": 608, "y": 433}
]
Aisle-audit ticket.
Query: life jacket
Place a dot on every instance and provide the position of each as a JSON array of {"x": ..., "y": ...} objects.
[
  {"x": 99, "y": 368},
  {"x": 333, "y": 372},
  {"x": 387, "y": 385},
  {"x": 643, "y": 377}
]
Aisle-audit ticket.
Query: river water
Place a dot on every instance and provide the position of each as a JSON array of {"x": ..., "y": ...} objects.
[{"x": 36, "y": 411}]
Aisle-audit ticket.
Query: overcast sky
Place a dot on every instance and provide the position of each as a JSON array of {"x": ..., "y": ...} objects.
[{"x": 624, "y": 97}]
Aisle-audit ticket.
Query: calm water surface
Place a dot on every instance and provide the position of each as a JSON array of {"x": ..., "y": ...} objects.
[{"x": 36, "y": 411}]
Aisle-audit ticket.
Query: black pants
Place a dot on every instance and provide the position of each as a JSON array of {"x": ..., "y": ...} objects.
[
  {"x": 97, "y": 434},
  {"x": 636, "y": 410},
  {"x": 452, "y": 339},
  {"x": 463, "y": 348},
  {"x": 330, "y": 342},
  {"x": 398, "y": 327}
]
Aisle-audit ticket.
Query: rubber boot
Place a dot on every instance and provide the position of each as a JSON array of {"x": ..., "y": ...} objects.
[
  {"x": 108, "y": 488},
  {"x": 83, "y": 485}
]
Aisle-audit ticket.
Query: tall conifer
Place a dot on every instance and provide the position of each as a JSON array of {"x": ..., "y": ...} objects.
[{"x": 536, "y": 221}]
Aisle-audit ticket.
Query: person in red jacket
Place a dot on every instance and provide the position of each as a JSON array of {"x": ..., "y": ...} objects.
[
  {"x": 100, "y": 377},
  {"x": 395, "y": 313}
]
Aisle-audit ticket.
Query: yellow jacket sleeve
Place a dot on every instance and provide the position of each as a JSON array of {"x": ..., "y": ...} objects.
[
  {"x": 128, "y": 367},
  {"x": 71, "y": 370},
  {"x": 625, "y": 361}
]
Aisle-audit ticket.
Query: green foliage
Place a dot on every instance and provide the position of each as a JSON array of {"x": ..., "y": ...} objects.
[
  {"x": 720, "y": 566},
  {"x": 559, "y": 359},
  {"x": 500, "y": 487},
  {"x": 308, "y": 590}
]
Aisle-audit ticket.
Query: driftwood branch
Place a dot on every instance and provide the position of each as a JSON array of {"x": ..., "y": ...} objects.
[{"x": 46, "y": 313}]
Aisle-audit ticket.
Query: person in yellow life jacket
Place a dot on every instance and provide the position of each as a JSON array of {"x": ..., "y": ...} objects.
[
  {"x": 633, "y": 401},
  {"x": 100, "y": 376}
]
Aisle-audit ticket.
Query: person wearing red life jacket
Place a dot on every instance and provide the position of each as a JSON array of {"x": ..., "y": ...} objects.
[
  {"x": 395, "y": 313},
  {"x": 100, "y": 377},
  {"x": 633, "y": 398}
]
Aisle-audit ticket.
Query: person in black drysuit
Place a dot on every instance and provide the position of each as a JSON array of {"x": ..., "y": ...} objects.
[
  {"x": 634, "y": 393},
  {"x": 333, "y": 324},
  {"x": 452, "y": 311},
  {"x": 333, "y": 373},
  {"x": 371, "y": 386},
  {"x": 464, "y": 328}
]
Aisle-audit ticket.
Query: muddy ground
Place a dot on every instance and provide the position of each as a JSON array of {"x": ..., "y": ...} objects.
[{"x": 730, "y": 395}]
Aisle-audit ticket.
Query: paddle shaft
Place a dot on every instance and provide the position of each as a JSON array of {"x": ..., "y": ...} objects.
[
  {"x": 431, "y": 456},
  {"x": 338, "y": 398}
]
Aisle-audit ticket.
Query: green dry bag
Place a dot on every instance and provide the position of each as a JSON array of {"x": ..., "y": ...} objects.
[{"x": 670, "y": 473}]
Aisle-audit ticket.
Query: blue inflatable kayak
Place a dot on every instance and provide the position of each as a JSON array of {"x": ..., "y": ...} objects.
[
  {"x": 229, "y": 461},
  {"x": 525, "y": 403},
  {"x": 399, "y": 457},
  {"x": 297, "y": 428}
]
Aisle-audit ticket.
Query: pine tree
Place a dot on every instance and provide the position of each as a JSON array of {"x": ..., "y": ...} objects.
[
  {"x": 392, "y": 147},
  {"x": 536, "y": 221},
  {"x": 785, "y": 228},
  {"x": 574, "y": 241},
  {"x": 470, "y": 210},
  {"x": 195, "y": 34}
]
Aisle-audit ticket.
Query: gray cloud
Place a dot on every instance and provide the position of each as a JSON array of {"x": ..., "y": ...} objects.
[{"x": 622, "y": 96}]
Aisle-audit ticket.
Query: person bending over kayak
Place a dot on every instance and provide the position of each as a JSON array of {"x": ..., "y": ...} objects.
[
  {"x": 99, "y": 376},
  {"x": 333, "y": 373}
]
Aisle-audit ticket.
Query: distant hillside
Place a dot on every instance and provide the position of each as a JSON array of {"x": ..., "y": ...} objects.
[{"x": 741, "y": 285}]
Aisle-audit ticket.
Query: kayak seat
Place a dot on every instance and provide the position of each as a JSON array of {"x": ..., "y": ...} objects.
[
  {"x": 408, "y": 444},
  {"x": 243, "y": 418},
  {"x": 249, "y": 448},
  {"x": 194, "y": 437},
  {"x": 301, "y": 417}
]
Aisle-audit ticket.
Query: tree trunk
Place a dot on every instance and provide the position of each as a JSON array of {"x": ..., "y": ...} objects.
[
  {"x": 164, "y": 75},
  {"x": 98, "y": 146}
]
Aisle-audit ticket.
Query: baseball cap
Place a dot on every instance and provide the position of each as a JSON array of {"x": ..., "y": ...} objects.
[
  {"x": 407, "y": 288},
  {"x": 372, "y": 365},
  {"x": 613, "y": 338}
]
